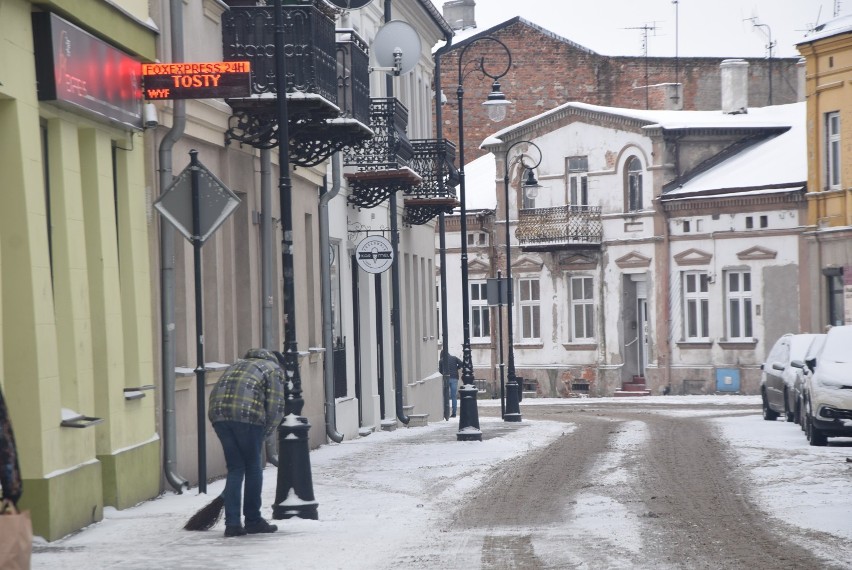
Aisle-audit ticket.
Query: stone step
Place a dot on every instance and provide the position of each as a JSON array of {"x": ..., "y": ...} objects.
[
  {"x": 418, "y": 420},
  {"x": 389, "y": 425},
  {"x": 631, "y": 393},
  {"x": 630, "y": 387}
]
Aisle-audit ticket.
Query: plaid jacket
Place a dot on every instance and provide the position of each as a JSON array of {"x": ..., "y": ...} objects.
[{"x": 250, "y": 391}]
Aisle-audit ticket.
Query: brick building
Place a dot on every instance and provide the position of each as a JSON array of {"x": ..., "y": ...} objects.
[{"x": 548, "y": 70}]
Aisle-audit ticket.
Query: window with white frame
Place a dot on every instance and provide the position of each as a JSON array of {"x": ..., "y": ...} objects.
[
  {"x": 696, "y": 305},
  {"x": 832, "y": 150},
  {"x": 480, "y": 313},
  {"x": 633, "y": 184},
  {"x": 738, "y": 285},
  {"x": 529, "y": 299},
  {"x": 578, "y": 181},
  {"x": 582, "y": 309}
]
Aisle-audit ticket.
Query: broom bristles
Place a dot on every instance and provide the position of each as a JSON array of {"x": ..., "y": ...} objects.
[{"x": 208, "y": 516}]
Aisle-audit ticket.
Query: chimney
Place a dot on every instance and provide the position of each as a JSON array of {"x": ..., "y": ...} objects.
[
  {"x": 801, "y": 86},
  {"x": 734, "y": 86},
  {"x": 460, "y": 14}
]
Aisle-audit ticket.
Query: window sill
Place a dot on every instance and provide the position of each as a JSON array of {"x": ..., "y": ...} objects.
[
  {"x": 522, "y": 345},
  {"x": 696, "y": 344},
  {"x": 483, "y": 343},
  {"x": 738, "y": 344},
  {"x": 579, "y": 346}
]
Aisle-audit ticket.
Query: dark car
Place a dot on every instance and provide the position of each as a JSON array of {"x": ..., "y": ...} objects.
[{"x": 778, "y": 382}]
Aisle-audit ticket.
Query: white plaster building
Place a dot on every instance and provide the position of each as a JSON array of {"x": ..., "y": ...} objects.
[{"x": 660, "y": 253}]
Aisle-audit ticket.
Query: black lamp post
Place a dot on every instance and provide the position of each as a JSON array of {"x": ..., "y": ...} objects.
[
  {"x": 496, "y": 106},
  {"x": 294, "y": 493},
  {"x": 530, "y": 185}
]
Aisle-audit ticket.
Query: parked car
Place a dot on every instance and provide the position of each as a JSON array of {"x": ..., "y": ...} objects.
[
  {"x": 799, "y": 385},
  {"x": 828, "y": 388},
  {"x": 778, "y": 380}
]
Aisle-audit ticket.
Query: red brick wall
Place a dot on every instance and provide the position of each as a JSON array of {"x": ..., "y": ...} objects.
[{"x": 547, "y": 71}]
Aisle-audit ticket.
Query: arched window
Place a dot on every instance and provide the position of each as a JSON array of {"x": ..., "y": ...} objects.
[{"x": 633, "y": 185}]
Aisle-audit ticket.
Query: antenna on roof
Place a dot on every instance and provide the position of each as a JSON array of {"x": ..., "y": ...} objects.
[{"x": 652, "y": 27}]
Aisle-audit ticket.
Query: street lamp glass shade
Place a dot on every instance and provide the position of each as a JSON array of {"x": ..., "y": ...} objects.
[
  {"x": 496, "y": 105},
  {"x": 531, "y": 185}
]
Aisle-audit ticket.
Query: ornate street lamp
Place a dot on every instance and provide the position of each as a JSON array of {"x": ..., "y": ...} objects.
[
  {"x": 496, "y": 107},
  {"x": 530, "y": 186}
]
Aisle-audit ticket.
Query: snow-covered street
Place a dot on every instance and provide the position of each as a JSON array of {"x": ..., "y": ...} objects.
[{"x": 403, "y": 498}]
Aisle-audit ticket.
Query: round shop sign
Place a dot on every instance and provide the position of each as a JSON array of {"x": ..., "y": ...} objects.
[{"x": 375, "y": 254}]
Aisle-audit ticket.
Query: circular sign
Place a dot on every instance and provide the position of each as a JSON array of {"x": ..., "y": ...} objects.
[
  {"x": 374, "y": 254},
  {"x": 350, "y": 4}
]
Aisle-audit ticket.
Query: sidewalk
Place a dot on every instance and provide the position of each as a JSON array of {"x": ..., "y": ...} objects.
[{"x": 381, "y": 498}]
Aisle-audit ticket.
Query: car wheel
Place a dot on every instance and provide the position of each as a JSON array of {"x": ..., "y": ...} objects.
[
  {"x": 788, "y": 415},
  {"x": 816, "y": 437},
  {"x": 768, "y": 415}
]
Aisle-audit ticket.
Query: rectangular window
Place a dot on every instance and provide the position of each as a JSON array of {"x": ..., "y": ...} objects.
[
  {"x": 832, "y": 150},
  {"x": 480, "y": 323},
  {"x": 686, "y": 226},
  {"x": 834, "y": 280},
  {"x": 749, "y": 221},
  {"x": 764, "y": 221},
  {"x": 739, "y": 305},
  {"x": 529, "y": 297},
  {"x": 696, "y": 305},
  {"x": 578, "y": 181},
  {"x": 582, "y": 309}
]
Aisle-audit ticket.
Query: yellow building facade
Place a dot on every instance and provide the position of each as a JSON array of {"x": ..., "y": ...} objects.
[
  {"x": 826, "y": 274},
  {"x": 76, "y": 335}
]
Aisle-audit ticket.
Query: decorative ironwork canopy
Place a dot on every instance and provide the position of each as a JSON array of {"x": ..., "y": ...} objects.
[
  {"x": 434, "y": 160},
  {"x": 561, "y": 227},
  {"x": 382, "y": 163},
  {"x": 320, "y": 72}
]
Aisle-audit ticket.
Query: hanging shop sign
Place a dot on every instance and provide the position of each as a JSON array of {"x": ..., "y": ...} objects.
[
  {"x": 374, "y": 254},
  {"x": 76, "y": 70},
  {"x": 209, "y": 80}
]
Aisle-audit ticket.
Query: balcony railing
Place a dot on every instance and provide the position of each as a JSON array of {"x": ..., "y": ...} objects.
[
  {"x": 381, "y": 163},
  {"x": 248, "y": 33},
  {"x": 559, "y": 227},
  {"x": 434, "y": 161}
]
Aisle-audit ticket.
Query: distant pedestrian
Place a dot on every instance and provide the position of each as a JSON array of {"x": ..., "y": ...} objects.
[
  {"x": 10, "y": 473},
  {"x": 454, "y": 365},
  {"x": 246, "y": 405}
]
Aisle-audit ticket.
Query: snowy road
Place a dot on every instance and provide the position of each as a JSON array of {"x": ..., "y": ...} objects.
[{"x": 662, "y": 483}]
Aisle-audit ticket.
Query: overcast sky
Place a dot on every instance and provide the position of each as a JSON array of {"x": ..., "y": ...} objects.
[{"x": 702, "y": 27}]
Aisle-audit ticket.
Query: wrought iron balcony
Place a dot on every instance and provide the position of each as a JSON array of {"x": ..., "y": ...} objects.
[
  {"x": 315, "y": 69},
  {"x": 381, "y": 163},
  {"x": 561, "y": 227},
  {"x": 434, "y": 160}
]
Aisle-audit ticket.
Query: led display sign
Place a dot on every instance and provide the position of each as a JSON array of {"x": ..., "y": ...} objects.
[
  {"x": 210, "y": 80},
  {"x": 80, "y": 72}
]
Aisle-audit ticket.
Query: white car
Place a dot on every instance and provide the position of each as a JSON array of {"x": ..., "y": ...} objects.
[
  {"x": 778, "y": 382},
  {"x": 827, "y": 394}
]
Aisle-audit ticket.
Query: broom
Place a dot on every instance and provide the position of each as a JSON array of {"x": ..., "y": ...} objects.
[{"x": 208, "y": 516}]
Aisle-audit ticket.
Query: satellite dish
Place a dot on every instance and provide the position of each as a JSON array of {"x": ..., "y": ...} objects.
[
  {"x": 350, "y": 4},
  {"x": 396, "y": 47}
]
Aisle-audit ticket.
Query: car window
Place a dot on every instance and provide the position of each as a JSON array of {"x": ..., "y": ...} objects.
[
  {"x": 778, "y": 352},
  {"x": 799, "y": 345},
  {"x": 816, "y": 345},
  {"x": 837, "y": 345}
]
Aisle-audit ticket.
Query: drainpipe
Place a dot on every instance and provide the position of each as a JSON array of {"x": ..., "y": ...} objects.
[
  {"x": 442, "y": 231},
  {"x": 327, "y": 311},
  {"x": 267, "y": 269},
  {"x": 167, "y": 267},
  {"x": 395, "y": 312}
]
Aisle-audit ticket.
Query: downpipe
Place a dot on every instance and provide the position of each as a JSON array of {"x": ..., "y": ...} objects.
[{"x": 327, "y": 311}]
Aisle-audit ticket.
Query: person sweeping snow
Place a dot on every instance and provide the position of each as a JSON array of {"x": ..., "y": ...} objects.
[{"x": 245, "y": 407}]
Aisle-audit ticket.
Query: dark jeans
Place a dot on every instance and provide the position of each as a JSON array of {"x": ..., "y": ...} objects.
[
  {"x": 241, "y": 443},
  {"x": 454, "y": 392}
]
